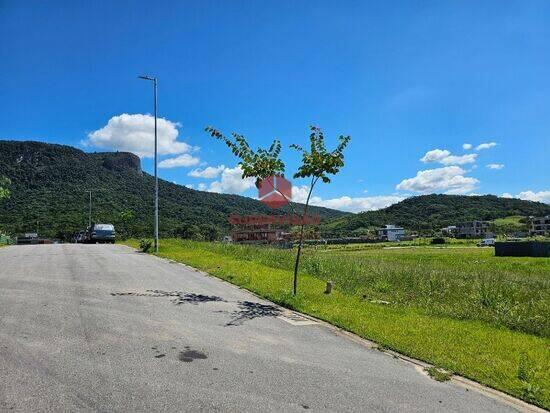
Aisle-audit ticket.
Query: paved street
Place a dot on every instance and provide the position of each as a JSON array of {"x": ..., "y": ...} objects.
[{"x": 104, "y": 328}]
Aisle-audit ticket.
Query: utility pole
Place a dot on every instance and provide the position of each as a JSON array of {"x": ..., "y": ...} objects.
[
  {"x": 156, "y": 221},
  {"x": 90, "y": 210}
]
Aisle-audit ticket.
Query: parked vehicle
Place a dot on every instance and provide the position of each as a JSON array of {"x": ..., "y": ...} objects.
[
  {"x": 100, "y": 233},
  {"x": 487, "y": 242},
  {"x": 80, "y": 237}
]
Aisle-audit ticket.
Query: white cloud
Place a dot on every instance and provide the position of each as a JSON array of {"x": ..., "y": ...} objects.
[
  {"x": 207, "y": 173},
  {"x": 449, "y": 179},
  {"x": 487, "y": 145},
  {"x": 495, "y": 166},
  {"x": 135, "y": 133},
  {"x": 541, "y": 196},
  {"x": 190, "y": 186},
  {"x": 436, "y": 155},
  {"x": 299, "y": 194},
  {"x": 467, "y": 146},
  {"x": 184, "y": 160},
  {"x": 346, "y": 203},
  {"x": 231, "y": 182},
  {"x": 459, "y": 160},
  {"x": 369, "y": 203},
  {"x": 202, "y": 187},
  {"x": 444, "y": 157}
]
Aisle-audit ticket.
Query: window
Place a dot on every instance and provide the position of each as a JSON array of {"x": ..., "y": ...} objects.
[{"x": 104, "y": 227}]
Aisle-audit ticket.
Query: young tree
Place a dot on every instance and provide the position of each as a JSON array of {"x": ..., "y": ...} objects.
[{"x": 317, "y": 163}]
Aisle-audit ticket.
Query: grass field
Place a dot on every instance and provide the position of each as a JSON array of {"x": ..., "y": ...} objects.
[{"x": 461, "y": 309}]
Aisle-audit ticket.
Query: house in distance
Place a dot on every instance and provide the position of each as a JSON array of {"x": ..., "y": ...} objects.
[
  {"x": 390, "y": 233},
  {"x": 475, "y": 229},
  {"x": 540, "y": 226}
]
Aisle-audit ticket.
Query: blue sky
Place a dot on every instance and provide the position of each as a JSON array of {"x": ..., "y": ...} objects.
[{"x": 402, "y": 78}]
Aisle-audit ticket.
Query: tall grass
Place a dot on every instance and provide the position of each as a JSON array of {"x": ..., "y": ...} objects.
[{"x": 460, "y": 283}]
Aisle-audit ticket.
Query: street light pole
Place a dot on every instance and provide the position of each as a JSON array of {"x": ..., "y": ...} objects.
[
  {"x": 90, "y": 210},
  {"x": 156, "y": 224}
]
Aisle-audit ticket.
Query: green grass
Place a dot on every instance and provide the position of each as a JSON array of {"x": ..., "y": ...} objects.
[
  {"x": 461, "y": 309},
  {"x": 511, "y": 220},
  {"x": 438, "y": 374},
  {"x": 417, "y": 242},
  {"x": 510, "y": 224}
]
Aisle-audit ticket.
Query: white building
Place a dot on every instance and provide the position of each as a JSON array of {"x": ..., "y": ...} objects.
[{"x": 390, "y": 233}]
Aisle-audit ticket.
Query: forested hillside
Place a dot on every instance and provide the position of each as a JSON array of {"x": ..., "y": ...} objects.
[
  {"x": 48, "y": 191},
  {"x": 432, "y": 212}
]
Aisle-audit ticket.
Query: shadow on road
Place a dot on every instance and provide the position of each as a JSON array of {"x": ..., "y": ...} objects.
[
  {"x": 192, "y": 298},
  {"x": 179, "y": 296},
  {"x": 249, "y": 311}
]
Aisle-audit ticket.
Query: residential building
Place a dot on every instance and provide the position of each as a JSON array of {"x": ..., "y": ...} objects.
[
  {"x": 475, "y": 229},
  {"x": 540, "y": 226},
  {"x": 390, "y": 233}
]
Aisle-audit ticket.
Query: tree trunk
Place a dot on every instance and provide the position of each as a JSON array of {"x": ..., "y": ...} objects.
[{"x": 299, "y": 252}]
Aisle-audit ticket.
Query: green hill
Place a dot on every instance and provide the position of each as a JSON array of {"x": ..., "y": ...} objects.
[
  {"x": 432, "y": 212},
  {"x": 49, "y": 184}
]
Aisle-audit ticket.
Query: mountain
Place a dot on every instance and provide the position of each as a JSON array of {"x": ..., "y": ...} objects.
[
  {"x": 433, "y": 212},
  {"x": 49, "y": 185}
]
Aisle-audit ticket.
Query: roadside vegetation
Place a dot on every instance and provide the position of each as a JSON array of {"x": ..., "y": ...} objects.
[
  {"x": 460, "y": 309},
  {"x": 438, "y": 374}
]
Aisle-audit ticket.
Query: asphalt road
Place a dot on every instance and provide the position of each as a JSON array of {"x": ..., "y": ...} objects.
[{"x": 104, "y": 328}]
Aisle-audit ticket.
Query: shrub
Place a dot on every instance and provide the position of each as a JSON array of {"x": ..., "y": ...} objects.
[{"x": 145, "y": 245}]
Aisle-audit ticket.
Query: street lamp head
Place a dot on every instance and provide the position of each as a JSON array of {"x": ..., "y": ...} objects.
[{"x": 146, "y": 78}]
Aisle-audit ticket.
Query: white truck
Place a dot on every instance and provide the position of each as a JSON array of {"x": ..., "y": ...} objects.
[{"x": 487, "y": 242}]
